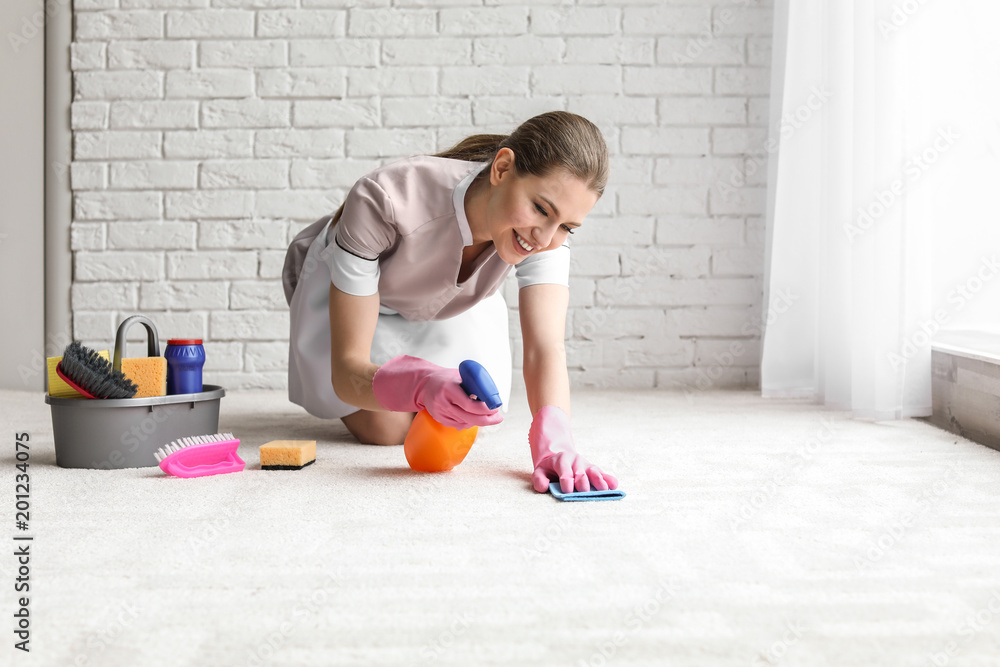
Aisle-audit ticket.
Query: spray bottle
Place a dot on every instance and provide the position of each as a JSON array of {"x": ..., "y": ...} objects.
[{"x": 432, "y": 447}]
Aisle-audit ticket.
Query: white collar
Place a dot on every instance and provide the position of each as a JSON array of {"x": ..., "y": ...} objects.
[{"x": 459, "y": 201}]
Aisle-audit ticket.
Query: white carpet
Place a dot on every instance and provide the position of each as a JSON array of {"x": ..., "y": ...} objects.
[{"x": 754, "y": 533}]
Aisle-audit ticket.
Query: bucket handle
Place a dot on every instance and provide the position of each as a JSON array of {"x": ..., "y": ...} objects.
[{"x": 152, "y": 339}]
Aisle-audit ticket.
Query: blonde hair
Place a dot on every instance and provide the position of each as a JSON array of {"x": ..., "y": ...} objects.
[{"x": 541, "y": 145}]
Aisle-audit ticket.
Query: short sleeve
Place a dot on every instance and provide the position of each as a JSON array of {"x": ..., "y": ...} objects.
[
  {"x": 551, "y": 266},
  {"x": 366, "y": 229}
]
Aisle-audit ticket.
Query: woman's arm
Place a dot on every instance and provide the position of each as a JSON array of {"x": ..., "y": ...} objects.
[
  {"x": 553, "y": 452},
  {"x": 352, "y": 327},
  {"x": 543, "y": 328}
]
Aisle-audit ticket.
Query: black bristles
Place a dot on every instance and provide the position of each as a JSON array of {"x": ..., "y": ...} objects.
[{"x": 94, "y": 373}]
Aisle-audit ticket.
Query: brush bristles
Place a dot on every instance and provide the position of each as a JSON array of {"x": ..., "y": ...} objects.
[
  {"x": 94, "y": 373},
  {"x": 192, "y": 441}
]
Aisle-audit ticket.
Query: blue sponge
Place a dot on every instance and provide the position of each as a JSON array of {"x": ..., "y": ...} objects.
[{"x": 576, "y": 496}]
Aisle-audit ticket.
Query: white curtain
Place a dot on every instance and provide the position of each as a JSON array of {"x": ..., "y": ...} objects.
[{"x": 855, "y": 145}]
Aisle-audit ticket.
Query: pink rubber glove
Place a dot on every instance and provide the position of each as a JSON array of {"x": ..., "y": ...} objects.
[
  {"x": 409, "y": 384},
  {"x": 554, "y": 456}
]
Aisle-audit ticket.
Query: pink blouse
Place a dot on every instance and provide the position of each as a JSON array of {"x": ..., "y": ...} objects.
[{"x": 402, "y": 233}]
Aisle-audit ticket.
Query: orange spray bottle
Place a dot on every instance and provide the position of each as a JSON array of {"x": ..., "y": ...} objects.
[{"x": 432, "y": 447}]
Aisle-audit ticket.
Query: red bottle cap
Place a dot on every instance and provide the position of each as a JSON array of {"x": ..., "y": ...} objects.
[{"x": 184, "y": 341}]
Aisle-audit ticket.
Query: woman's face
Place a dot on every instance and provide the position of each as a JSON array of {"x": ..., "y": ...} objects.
[{"x": 526, "y": 215}]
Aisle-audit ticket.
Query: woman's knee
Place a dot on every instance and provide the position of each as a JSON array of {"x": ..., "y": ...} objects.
[{"x": 378, "y": 428}]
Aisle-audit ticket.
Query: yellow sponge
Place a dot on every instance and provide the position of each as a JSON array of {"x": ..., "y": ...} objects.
[
  {"x": 57, "y": 386},
  {"x": 148, "y": 373},
  {"x": 287, "y": 454}
]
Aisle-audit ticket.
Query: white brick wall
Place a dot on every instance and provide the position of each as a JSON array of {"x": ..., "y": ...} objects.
[{"x": 207, "y": 133}]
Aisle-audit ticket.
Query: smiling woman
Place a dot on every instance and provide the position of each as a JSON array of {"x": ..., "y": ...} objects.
[
  {"x": 392, "y": 292},
  {"x": 518, "y": 214}
]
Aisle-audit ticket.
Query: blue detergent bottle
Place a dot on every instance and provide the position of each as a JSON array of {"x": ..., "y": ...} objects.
[{"x": 185, "y": 361}]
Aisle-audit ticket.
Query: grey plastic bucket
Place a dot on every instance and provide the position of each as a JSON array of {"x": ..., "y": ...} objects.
[{"x": 124, "y": 432}]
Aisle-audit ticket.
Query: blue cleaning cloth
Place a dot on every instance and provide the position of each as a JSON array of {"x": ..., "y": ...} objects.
[{"x": 576, "y": 496}]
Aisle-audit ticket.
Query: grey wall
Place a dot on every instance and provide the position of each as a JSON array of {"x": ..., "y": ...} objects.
[{"x": 22, "y": 169}]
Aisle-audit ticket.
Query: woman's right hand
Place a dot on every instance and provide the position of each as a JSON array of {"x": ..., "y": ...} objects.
[{"x": 410, "y": 384}]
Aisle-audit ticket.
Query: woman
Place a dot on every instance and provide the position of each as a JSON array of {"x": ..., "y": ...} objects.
[{"x": 401, "y": 284}]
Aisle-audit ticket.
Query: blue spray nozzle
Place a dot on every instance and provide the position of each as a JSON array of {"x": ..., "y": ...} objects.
[{"x": 478, "y": 384}]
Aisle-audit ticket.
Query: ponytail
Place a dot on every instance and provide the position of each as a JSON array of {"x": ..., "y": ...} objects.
[{"x": 477, "y": 148}]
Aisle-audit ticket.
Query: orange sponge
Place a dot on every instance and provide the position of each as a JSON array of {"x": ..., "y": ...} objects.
[
  {"x": 148, "y": 373},
  {"x": 287, "y": 454}
]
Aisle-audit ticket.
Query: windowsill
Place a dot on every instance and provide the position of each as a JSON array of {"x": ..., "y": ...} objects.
[
  {"x": 965, "y": 384},
  {"x": 979, "y": 345}
]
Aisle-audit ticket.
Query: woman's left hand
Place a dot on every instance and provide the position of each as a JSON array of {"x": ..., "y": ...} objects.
[{"x": 555, "y": 458}]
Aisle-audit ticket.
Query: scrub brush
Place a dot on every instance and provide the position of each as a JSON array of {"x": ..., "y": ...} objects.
[
  {"x": 200, "y": 455},
  {"x": 92, "y": 375}
]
